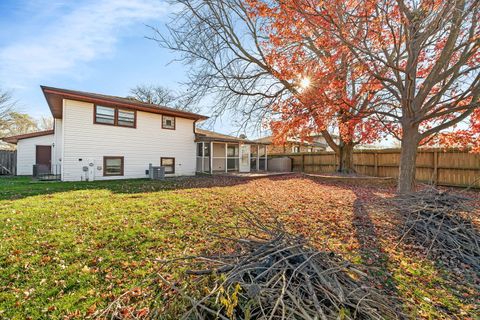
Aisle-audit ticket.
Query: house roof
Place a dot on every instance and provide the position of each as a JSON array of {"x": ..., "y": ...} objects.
[
  {"x": 269, "y": 140},
  {"x": 55, "y": 98},
  {"x": 14, "y": 139},
  {"x": 207, "y": 136}
]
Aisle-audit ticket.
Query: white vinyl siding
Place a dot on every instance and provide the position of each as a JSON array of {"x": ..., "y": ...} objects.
[
  {"x": 57, "y": 150},
  {"x": 26, "y": 153},
  {"x": 86, "y": 142}
]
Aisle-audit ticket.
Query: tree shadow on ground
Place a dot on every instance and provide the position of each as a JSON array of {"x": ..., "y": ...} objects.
[{"x": 372, "y": 254}]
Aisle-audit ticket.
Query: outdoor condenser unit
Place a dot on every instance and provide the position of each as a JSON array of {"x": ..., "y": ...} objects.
[{"x": 156, "y": 173}]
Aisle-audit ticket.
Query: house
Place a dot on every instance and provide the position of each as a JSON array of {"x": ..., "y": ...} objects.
[
  {"x": 293, "y": 145},
  {"x": 102, "y": 137}
]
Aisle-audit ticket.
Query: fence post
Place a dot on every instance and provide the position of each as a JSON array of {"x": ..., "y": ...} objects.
[
  {"x": 375, "y": 164},
  {"x": 334, "y": 161},
  {"x": 303, "y": 163},
  {"x": 435, "y": 167}
]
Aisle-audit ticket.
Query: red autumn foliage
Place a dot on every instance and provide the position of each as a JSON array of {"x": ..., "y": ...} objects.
[{"x": 330, "y": 88}]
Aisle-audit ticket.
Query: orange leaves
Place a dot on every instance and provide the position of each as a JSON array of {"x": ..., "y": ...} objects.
[{"x": 300, "y": 46}]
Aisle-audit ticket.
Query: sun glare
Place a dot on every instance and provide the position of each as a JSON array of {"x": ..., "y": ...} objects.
[{"x": 305, "y": 83}]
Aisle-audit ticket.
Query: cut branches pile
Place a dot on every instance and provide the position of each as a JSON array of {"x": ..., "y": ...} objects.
[
  {"x": 272, "y": 274},
  {"x": 441, "y": 222}
]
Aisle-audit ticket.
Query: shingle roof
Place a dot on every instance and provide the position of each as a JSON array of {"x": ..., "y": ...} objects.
[
  {"x": 269, "y": 139},
  {"x": 207, "y": 135}
]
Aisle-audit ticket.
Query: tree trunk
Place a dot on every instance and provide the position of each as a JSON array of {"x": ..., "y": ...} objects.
[
  {"x": 408, "y": 157},
  {"x": 345, "y": 154}
]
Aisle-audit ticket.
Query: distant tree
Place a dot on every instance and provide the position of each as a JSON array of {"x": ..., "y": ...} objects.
[
  {"x": 6, "y": 107},
  {"x": 162, "y": 96},
  {"x": 45, "y": 123},
  {"x": 20, "y": 123}
]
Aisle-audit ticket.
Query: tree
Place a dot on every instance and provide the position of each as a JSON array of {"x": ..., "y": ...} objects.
[
  {"x": 45, "y": 123},
  {"x": 336, "y": 91},
  {"x": 163, "y": 97},
  {"x": 6, "y": 107},
  {"x": 230, "y": 54},
  {"x": 425, "y": 54},
  {"x": 19, "y": 123}
]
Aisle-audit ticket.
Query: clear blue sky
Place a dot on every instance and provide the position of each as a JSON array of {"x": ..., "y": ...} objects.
[{"x": 89, "y": 45}]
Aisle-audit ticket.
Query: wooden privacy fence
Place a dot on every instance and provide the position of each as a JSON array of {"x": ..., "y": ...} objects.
[
  {"x": 8, "y": 162},
  {"x": 438, "y": 166}
]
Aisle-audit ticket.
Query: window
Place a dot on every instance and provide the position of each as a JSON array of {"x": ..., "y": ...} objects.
[
  {"x": 296, "y": 149},
  {"x": 104, "y": 115},
  {"x": 113, "y": 166},
  {"x": 115, "y": 116},
  {"x": 125, "y": 118},
  {"x": 169, "y": 164},
  {"x": 168, "y": 122}
]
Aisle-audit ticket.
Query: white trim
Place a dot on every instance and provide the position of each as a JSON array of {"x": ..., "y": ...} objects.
[
  {"x": 226, "y": 157},
  {"x": 266, "y": 159},
  {"x": 211, "y": 157},
  {"x": 62, "y": 175}
]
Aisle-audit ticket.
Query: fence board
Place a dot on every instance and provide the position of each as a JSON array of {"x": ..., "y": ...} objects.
[
  {"x": 443, "y": 167},
  {"x": 8, "y": 162}
]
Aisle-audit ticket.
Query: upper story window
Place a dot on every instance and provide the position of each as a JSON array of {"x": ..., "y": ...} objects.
[
  {"x": 296, "y": 149},
  {"x": 104, "y": 115},
  {"x": 168, "y": 122},
  {"x": 115, "y": 116}
]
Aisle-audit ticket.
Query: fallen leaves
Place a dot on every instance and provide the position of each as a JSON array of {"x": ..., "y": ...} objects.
[{"x": 89, "y": 243}]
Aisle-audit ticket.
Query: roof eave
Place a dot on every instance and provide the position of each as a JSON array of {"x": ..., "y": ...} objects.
[
  {"x": 51, "y": 93},
  {"x": 14, "y": 139}
]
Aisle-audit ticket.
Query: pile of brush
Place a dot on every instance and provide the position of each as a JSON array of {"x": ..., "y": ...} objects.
[
  {"x": 442, "y": 222},
  {"x": 272, "y": 274}
]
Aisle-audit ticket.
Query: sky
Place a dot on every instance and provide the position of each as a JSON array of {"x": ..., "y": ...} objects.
[{"x": 89, "y": 45}]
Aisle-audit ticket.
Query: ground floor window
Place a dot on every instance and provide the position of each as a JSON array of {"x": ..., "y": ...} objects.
[
  {"x": 113, "y": 166},
  {"x": 169, "y": 164}
]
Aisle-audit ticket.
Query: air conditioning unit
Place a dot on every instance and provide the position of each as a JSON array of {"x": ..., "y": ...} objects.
[{"x": 156, "y": 173}]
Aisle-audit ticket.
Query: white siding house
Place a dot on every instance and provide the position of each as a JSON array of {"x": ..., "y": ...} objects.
[
  {"x": 99, "y": 137},
  {"x": 85, "y": 143}
]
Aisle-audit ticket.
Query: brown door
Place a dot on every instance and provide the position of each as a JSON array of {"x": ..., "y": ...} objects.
[{"x": 44, "y": 156}]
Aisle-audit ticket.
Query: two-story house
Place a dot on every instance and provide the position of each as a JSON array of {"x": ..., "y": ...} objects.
[{"x": 101, "y": 137}]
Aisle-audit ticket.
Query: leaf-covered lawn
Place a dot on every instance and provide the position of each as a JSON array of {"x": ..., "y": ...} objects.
[{"x": 68, "y": 249}]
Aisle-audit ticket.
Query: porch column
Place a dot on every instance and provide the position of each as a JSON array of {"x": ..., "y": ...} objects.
[
  {"x": 226, "y": 160},
  {"x": 258, "y": 157},
  {"x": 266, "y": 159},
  {"x": 203, "y": 158},
  {"x": 211, "y": 157}
]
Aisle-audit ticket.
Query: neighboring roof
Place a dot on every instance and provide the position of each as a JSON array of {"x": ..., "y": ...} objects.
[
  {"x": 269, "y": 140},
  {"x": 334, "y": 136},
  {"x": 207, "y": 135},
  {"x": 55, "y": 98},
  {"x": 14, "y": 139}
]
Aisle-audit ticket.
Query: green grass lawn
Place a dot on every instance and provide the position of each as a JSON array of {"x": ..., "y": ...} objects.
[{"x": 68, "y": 249}]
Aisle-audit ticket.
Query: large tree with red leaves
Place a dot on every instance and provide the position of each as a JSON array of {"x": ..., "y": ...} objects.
[
  {"x": 335, "y": 91},
  {"x": 424, "y": 53}
]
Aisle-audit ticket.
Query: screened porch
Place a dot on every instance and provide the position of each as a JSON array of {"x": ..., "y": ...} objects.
[{"x": 216, "y": 157}]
